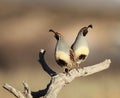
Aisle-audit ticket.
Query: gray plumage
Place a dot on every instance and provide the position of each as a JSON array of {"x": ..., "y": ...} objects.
[
  {"x": 63, "y": 52},
  {"x": 80, "y": 45}
]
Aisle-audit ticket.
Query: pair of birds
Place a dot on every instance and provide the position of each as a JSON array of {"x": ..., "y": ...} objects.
[{"x": 70, "y": 57}]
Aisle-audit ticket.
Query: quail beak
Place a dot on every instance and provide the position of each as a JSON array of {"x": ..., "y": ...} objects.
[{"x": 58, "y": 33}]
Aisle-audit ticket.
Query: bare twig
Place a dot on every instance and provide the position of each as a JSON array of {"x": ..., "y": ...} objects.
[
  {"x": 27, "y": 91},
  {"x": 14, "y": 91},
  {"x": 44, "y": 65}
]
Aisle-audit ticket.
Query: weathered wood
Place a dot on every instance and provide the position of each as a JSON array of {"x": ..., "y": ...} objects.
[{"x": 58, "y": 81}]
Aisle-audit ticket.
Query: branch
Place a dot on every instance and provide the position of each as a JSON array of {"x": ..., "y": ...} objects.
[
  {"x": 27, "y": 91},
  {"x": 41, "y": 93},
  {"x": 96, "y": 68},
  {"x": 45, "y": 67},
  {"x": 12, "y": 90},
  {"x": 17, "y": 93},
  {"x": 58, "y": 81}
]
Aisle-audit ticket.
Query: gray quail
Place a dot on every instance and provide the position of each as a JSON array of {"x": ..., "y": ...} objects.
[
  {"x": 80, "y": 45},
  {"x": 63, "y": 53}
]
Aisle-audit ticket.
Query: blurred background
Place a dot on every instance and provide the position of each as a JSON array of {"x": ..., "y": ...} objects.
[{"x": 24, "y": 26}]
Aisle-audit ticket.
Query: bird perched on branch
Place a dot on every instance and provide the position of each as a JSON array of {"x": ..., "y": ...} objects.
[
  {"x": 63, "y": 53},
  {"x": 80, "y": 45}
]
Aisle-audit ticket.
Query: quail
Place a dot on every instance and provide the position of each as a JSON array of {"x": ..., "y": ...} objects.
[
  {"x": 80, "y": 45},
  {"x": 63, "y": 53}
]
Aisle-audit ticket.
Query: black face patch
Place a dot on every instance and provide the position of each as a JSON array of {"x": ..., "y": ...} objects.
[
  {"x": 85, "y": 31},
  {"x": 82, "y": 57},
  {"x": 61, "y": 62},
  {"x": 56, "y": 36}
]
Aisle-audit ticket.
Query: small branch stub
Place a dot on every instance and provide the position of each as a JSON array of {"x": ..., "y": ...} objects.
[{"x": 27, "y": 91}]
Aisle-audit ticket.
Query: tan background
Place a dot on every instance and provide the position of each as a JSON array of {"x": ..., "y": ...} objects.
[{"x": 24, "y": 26}]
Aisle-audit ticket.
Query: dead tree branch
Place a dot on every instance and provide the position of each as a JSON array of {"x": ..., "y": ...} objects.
[
  {"x": 58, "y": 81},
  {"x": 44, "y": 65},
  {"x": 17, "y": 93}
]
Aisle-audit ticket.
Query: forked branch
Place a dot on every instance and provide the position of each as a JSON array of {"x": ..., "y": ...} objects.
[
  {"x": 17, "y": 93},
  {"x": 58, "y": 81}
]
